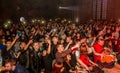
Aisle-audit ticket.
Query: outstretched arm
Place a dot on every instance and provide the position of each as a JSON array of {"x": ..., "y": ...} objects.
[
  {"x": 68, "y": 45},
  {"x": 13, "y": 42},
  {"x": 49, "y": 46},
  {"x": 30, "y": 41}
]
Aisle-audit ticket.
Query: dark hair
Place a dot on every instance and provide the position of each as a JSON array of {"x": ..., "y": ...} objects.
[
  {"x": 83, "y": 49},
  {"x": 59, "y": 44},
  {"x": 11, "y": 61},
  {"x": 118, "y": 61}
]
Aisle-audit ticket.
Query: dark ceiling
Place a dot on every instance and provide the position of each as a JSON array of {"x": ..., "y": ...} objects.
[{"x": 31, "y": 8}]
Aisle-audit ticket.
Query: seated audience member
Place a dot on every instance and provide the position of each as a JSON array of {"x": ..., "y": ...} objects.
[
  {"x": 93, "y": 67},
  {"x": 98, "y": 48}
]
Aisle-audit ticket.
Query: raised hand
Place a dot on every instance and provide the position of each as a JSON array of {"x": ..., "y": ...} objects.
[
  {"x": 94, "y": 38},
  {"x": 48, "y": 41},
  {"x": 30, "y": 41},
  {"x": 82, "y": 40},
  {"x": 16, "y": 37},
  {"x": 71, "y": 42}
]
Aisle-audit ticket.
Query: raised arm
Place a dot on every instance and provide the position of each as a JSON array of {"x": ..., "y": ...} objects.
[
  {"x": 17, "y": 55},
  {"x": 69, "y": 50},
  {"x": 62, "y": 31},
  {"x": 49, "y": 46},
  {"x": 30, "y": 41},
  {"x": 94, "y": 39},
  {"x": 13, "y": 42},
  {"x": 68, "y": 45}
]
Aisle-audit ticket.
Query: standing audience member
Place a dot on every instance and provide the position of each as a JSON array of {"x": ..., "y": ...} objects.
[
  {"x": 35, "y": 58},
  {"x": 47, "y": 59},
  {"x": 12, "y": 67}
]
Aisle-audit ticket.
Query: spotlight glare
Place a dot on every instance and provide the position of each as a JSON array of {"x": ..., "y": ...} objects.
[
  {"x": 7, "y": 24},
  {"x": 91, "y": 20},
  {"x": 50, "y": 20},
  {"x": 43, "y": 21},
  {"x": 69, "y": 21},
  {"x": 77, "y": 20},
  {"x": 60, "y": 7},
  {"x": 22, "y": 19}
]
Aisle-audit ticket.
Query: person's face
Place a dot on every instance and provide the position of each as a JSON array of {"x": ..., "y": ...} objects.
[
  {"x": 78, "y": 35},
  {"x": 113, "y": 34},
  {"x": 117, "y": 29},
  {"x": 8, "y": 66},
  {"x": 101, "y": 33},
  {"x": 7, "y": 32},
  {"x": 69, "y": 57},
  {"x": 108, "y": 31},
  {"x": 101, "y": 41},
  {"x": 75, "y": 31},
  {"x": 22, "y": 45},
  {"x": 1, "y": 32},
  {"x": 3, "y": 41},
  {"x": 89, "y": 35},
  {"x": 110, "y": 43},
  {"x": 60, "y": 48},
  {"x": 44, "y": 53},
  {"x": 55, "y": 39},
  {"x": 68, "y": 39},
  {"x": 36, "y": 46},
  {"x": 23, "y": 34},
  {"x": 41, "y": 44},
  {"x": 8, "y": 43}
]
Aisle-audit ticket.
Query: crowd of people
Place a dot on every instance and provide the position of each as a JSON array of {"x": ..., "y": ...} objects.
[{"x": 55, "y": 47}]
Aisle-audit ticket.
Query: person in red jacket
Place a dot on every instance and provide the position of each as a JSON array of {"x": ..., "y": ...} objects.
[{"x": 98, "y": 48}]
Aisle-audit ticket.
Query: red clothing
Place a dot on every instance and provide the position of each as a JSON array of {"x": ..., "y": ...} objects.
[
  {"x": 57, "y": 68},
  {"x": 74, "y": 50},
  {"x": 84, "y": 58},
  {"x": 98, "y": 48}
]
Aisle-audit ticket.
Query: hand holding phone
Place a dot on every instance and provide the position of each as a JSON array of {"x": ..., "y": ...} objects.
[{"x": 19, "y": 33}]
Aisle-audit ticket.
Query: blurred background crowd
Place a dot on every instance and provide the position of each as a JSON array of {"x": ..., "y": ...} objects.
[{"x": 59, "y": 46}]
